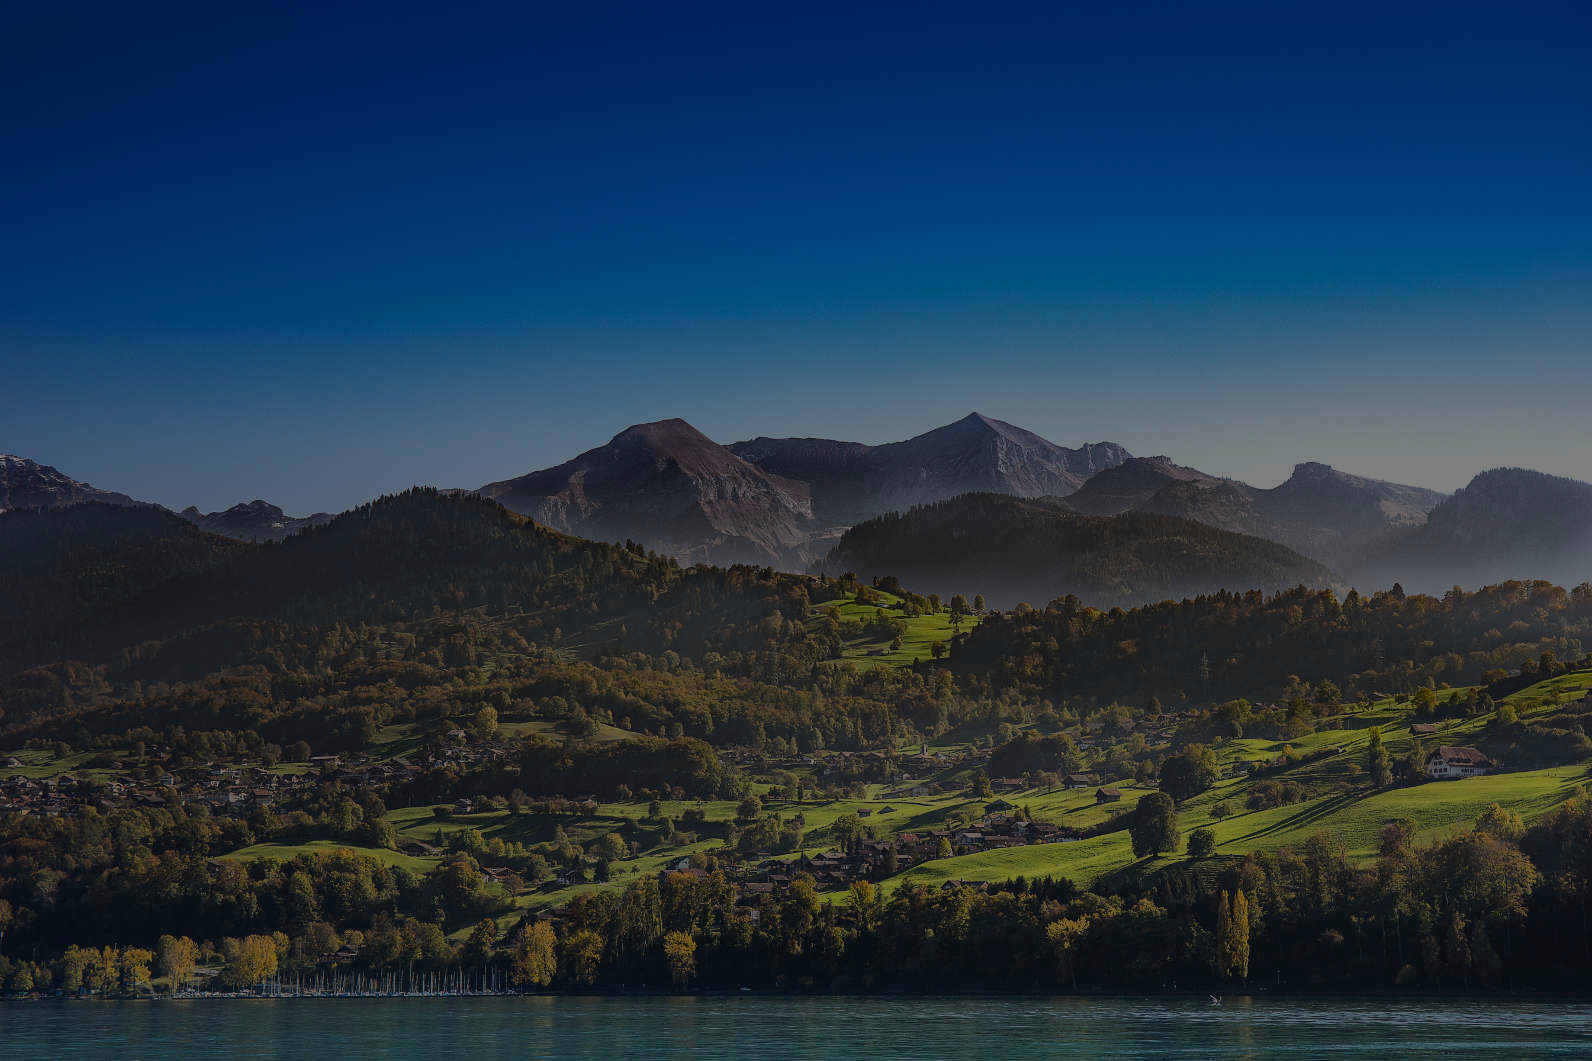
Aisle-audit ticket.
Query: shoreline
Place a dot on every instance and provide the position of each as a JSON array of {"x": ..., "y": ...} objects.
[{"x": 1516, "y": 996}]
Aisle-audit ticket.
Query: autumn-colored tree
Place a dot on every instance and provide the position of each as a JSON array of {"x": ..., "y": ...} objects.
[
  {"x": 1232, "y": 936},
  {"x": 1240, "y": 934},
  {"x": 535, "y": 958},
  {"x": 250, "y": 961},
  {"x": 22, "y": 979},
  {"x": 680, "y": 951},
  {"x": 134, "y": 968},
  {"x": 74, "y": 968},
  {"x": 1064, "y": 936},
  {"x": 583, "y": 956}
]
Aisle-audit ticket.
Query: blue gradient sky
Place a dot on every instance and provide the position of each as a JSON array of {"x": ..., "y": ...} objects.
[{"x": 317, "y": 254}]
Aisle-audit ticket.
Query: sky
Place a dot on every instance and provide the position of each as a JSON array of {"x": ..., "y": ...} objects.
[{"x": 315, "y": 254}]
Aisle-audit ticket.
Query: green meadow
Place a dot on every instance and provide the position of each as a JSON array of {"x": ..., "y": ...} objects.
[{"x": 923, "y": 632}]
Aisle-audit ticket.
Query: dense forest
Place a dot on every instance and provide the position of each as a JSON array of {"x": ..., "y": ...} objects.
[{"x": 1226, "y": 645}]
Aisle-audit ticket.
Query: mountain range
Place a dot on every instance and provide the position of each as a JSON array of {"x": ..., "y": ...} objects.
[
  {"x": 783, "y": 501},
  {"x": 852, "y": 482},
  {"x": 1507, "y": 523},
  {"x": 789, "y": 503},
  {"x": 253, "y": 521},
  {"x": 27, "y": 484},
  {"x": 1325, "y": 514}
]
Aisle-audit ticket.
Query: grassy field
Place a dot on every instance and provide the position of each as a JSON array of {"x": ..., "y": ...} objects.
[
  {"x": 1352, "y": 819},
  {"x": 922, "y": 633},
  {"x": 547, "y": 728},
  {"x": 310, "y": 847},
  {"x": 41, "y": 763}
]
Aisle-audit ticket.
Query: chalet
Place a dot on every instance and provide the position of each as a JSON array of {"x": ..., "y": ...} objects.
[
  {"x": 999, "y": 806},
  {"x": 1108, "y": 795},
  {"x": 1423, "y": 729},
  {"x": 1008, "y": 784},
  {"x": 1080, "y": 781},
  {"x": 1452, "y": 761}
]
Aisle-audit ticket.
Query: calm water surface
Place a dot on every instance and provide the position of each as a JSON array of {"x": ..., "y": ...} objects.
[{"x": 753, "y": 1027}]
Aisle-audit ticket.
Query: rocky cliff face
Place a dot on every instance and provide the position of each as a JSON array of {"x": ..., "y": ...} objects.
[
  {"x": 254, "y": 521},
  {"x": 28, "y": 484},
  {"x": 672, "y": 488}
]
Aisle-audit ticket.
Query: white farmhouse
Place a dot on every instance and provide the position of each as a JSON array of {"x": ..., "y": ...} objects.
[{"x": 1451, "y": 761}]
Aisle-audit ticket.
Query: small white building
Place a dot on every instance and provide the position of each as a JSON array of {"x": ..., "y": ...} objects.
[{"x": 1451, "y": 761}]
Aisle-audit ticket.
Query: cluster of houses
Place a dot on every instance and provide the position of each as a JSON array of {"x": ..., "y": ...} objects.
[
  {"x": 225, "y": 790},
  {"x": 44, "y": 796},
  {"x": 875, "y": 859}
]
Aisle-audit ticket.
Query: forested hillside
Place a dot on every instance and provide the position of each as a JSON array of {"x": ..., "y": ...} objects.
[
  {"x": 1013, "y": 549},
  {"x": 1224, "y": 645}
]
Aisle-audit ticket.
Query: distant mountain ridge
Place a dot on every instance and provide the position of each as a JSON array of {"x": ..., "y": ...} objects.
[
  {"x": 787, "y": 502},
  {"x": 782, "y": 502},
  {"x": 253, "y": 521},
  {"x": 26, "y": 483},
  {"x": 1323, "y": 513},
  {"x": 852, "y": 481},
  {"x": 1506, "y": 523},
  {"x": 1131, "y": 483}
]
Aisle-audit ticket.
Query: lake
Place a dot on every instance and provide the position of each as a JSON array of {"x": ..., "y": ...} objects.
[{"x": 475, "y": 1029}]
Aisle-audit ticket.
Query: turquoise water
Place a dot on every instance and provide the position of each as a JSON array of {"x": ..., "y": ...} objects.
[{"x": 475, "y": 1029}]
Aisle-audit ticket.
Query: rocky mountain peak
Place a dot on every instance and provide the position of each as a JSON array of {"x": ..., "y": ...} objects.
[
  {"x": 26, "y": 483},
  {"x": 668, "y": 485}
]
